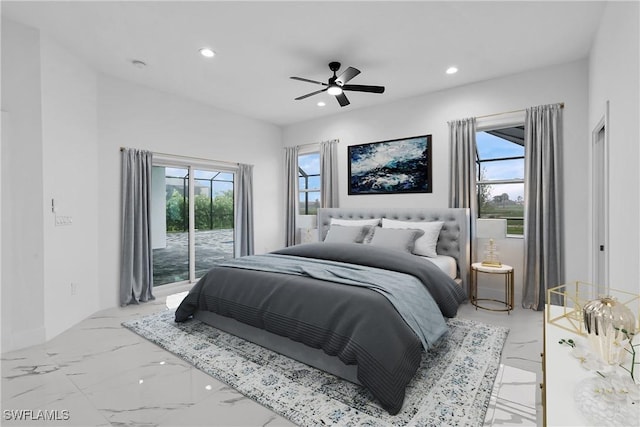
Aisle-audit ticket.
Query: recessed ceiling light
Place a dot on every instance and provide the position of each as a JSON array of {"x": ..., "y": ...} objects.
[
  {"x": 321, "y": 104},
  {"x": 452, "y": 70},
  {"x": 207, "y": 52}
]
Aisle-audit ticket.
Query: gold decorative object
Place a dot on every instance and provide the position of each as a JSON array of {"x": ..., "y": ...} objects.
[
  {"x": 571, "y": 297},
  {"x": 491, "y": 255},
  {"x": 607, "y": 322}
]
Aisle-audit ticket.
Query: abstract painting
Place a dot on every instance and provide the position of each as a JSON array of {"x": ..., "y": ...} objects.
[{"x": 394, "y": 166}]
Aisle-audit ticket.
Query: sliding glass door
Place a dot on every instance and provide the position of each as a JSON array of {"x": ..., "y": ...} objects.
[
  {"x": 192, "y": 221},
  {"x": 170, "y": 225},
  {"x": 213, "y": 212}
]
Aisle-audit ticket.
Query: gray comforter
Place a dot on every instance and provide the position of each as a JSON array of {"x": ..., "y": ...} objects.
[{"x": 351, "y": 322}]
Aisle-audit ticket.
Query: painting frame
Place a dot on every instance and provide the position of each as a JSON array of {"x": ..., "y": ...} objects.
[{"x": 394, "y": 166}]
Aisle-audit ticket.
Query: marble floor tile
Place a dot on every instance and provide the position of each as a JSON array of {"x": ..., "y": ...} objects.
[
  {"x": 226, "y": 407},
  {"x": 513, "y": 400},
  {"x": 103, "y": 374},
  {"x": 523, "y": 347}
]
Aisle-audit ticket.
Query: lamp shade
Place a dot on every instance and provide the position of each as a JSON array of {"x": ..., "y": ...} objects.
[
  {"x": 491, "y": 228},
  {"x": 307, "y": 225},
  {"x": 307, "y": 221}
]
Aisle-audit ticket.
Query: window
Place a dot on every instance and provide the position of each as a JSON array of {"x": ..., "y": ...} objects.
[
  {"x": 500, "y": 176},
  {"x": 309, "y": 183}
]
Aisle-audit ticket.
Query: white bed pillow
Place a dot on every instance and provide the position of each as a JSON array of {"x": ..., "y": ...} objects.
[
  {"x": 346, "y": 234},
  {"x": 425, "y": 245},
  {"x": 395, "y": 238}
]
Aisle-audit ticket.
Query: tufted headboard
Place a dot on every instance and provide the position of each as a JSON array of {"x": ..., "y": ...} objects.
[{"x": 454, "y": 236}]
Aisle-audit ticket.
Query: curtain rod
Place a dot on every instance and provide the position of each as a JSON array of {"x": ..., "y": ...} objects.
[
  {"x": 315, "y": 143},
  {"x": 191, "y": 158},
  {"x": 509, "y": 112}
]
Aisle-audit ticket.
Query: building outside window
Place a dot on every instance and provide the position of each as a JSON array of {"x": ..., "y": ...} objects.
[{"x": 500, "y": 176}]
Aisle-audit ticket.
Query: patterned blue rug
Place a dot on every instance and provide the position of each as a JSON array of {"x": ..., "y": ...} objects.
[{"x": 452, "y": 386}]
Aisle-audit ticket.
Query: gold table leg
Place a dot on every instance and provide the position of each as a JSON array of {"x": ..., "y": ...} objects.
[{"x": 508, "y": 291}]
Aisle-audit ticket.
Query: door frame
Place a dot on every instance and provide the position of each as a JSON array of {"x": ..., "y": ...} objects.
[
  {"x": 191, "y": 164},
  {"x": 600, "y": 164}
]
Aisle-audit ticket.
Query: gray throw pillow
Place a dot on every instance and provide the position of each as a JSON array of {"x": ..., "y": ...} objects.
[
  {"x": 346, "y": 234},
  {"x": 395, "y": 238}
]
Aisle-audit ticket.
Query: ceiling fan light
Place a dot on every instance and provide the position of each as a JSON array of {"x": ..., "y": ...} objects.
[
  {"x": 207, "y": 52},
  {"x": 334, "y": 90}
]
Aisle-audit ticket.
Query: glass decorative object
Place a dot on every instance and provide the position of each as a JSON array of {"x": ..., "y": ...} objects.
[
  {"x": 611, "y": 401},
  {"x": 571, "y": 297},
  {"x": 606, "y": 322}
]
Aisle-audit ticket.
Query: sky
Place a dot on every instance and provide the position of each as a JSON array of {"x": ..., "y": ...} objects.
[
  {"x": 310, "y": 163},
  {"x": 490, "y": 146}
]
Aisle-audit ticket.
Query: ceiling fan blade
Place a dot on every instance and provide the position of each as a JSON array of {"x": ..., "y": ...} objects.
[
  {"x": 310, "y": 94},
  {"x": 364, "y": 88},
  {"x": 308, "y": 81},
  {"x": 342, "y": 99},
  {"x": 347, "y": 75}
]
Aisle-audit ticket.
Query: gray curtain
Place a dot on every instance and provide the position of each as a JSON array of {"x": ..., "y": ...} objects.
[
  {"x": 291, "y": 195},
  {"x": 462, "y": 170},
  {"x": 329, "y": 174},
  {"x": 542, "y": 232},
  {"x": 243, "y": 211},
  {"x": 136, "y": 258}
]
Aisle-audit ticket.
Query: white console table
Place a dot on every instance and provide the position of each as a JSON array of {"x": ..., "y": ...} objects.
[{"x": 561, "y": 373}]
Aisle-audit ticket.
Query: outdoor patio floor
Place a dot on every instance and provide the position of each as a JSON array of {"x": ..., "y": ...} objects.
[{"x": 171, "y": 264}]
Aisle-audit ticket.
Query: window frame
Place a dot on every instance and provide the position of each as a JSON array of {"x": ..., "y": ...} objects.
[
  {"x": 307, "y": 190},
  {"x": 495, "y": 122}
]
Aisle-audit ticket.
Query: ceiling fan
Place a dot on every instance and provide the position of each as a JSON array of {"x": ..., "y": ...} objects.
[{"x": 336, "y": 85}]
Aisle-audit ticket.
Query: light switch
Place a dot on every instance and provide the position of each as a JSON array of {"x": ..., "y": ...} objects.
[{"x": 62, "y": 220}]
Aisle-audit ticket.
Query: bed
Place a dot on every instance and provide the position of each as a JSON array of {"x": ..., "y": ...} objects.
[{"x": 372, "y": 331}]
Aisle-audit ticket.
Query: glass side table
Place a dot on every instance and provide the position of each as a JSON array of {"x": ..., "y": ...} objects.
[{"x": 505, "y": 270}]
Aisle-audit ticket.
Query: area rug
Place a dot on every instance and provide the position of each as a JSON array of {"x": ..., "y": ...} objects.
[{"x": 452, "y": 386}]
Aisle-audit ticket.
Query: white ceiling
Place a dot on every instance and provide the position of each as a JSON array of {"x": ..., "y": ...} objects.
[{"x": 405, "y": 46}]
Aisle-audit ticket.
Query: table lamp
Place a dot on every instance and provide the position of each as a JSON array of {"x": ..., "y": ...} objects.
[
  {"x": 308, "y": 228},
  {"x": 491, "y": 229}
]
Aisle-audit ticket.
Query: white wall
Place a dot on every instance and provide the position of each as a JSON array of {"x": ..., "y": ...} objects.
[
  {"x": 63, "y": 126},
  {"x": 428, "y": 114},
  {"x": 22, "y": 192},
  {"x": 613, "y": 76},
  {"x": 49, "y": 151},
  {"x": 134, "y": 116},
  {"x": 69, "y": 142}
]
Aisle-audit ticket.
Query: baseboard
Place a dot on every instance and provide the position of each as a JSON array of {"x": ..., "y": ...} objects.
[{"x": 22, "y": 339}]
